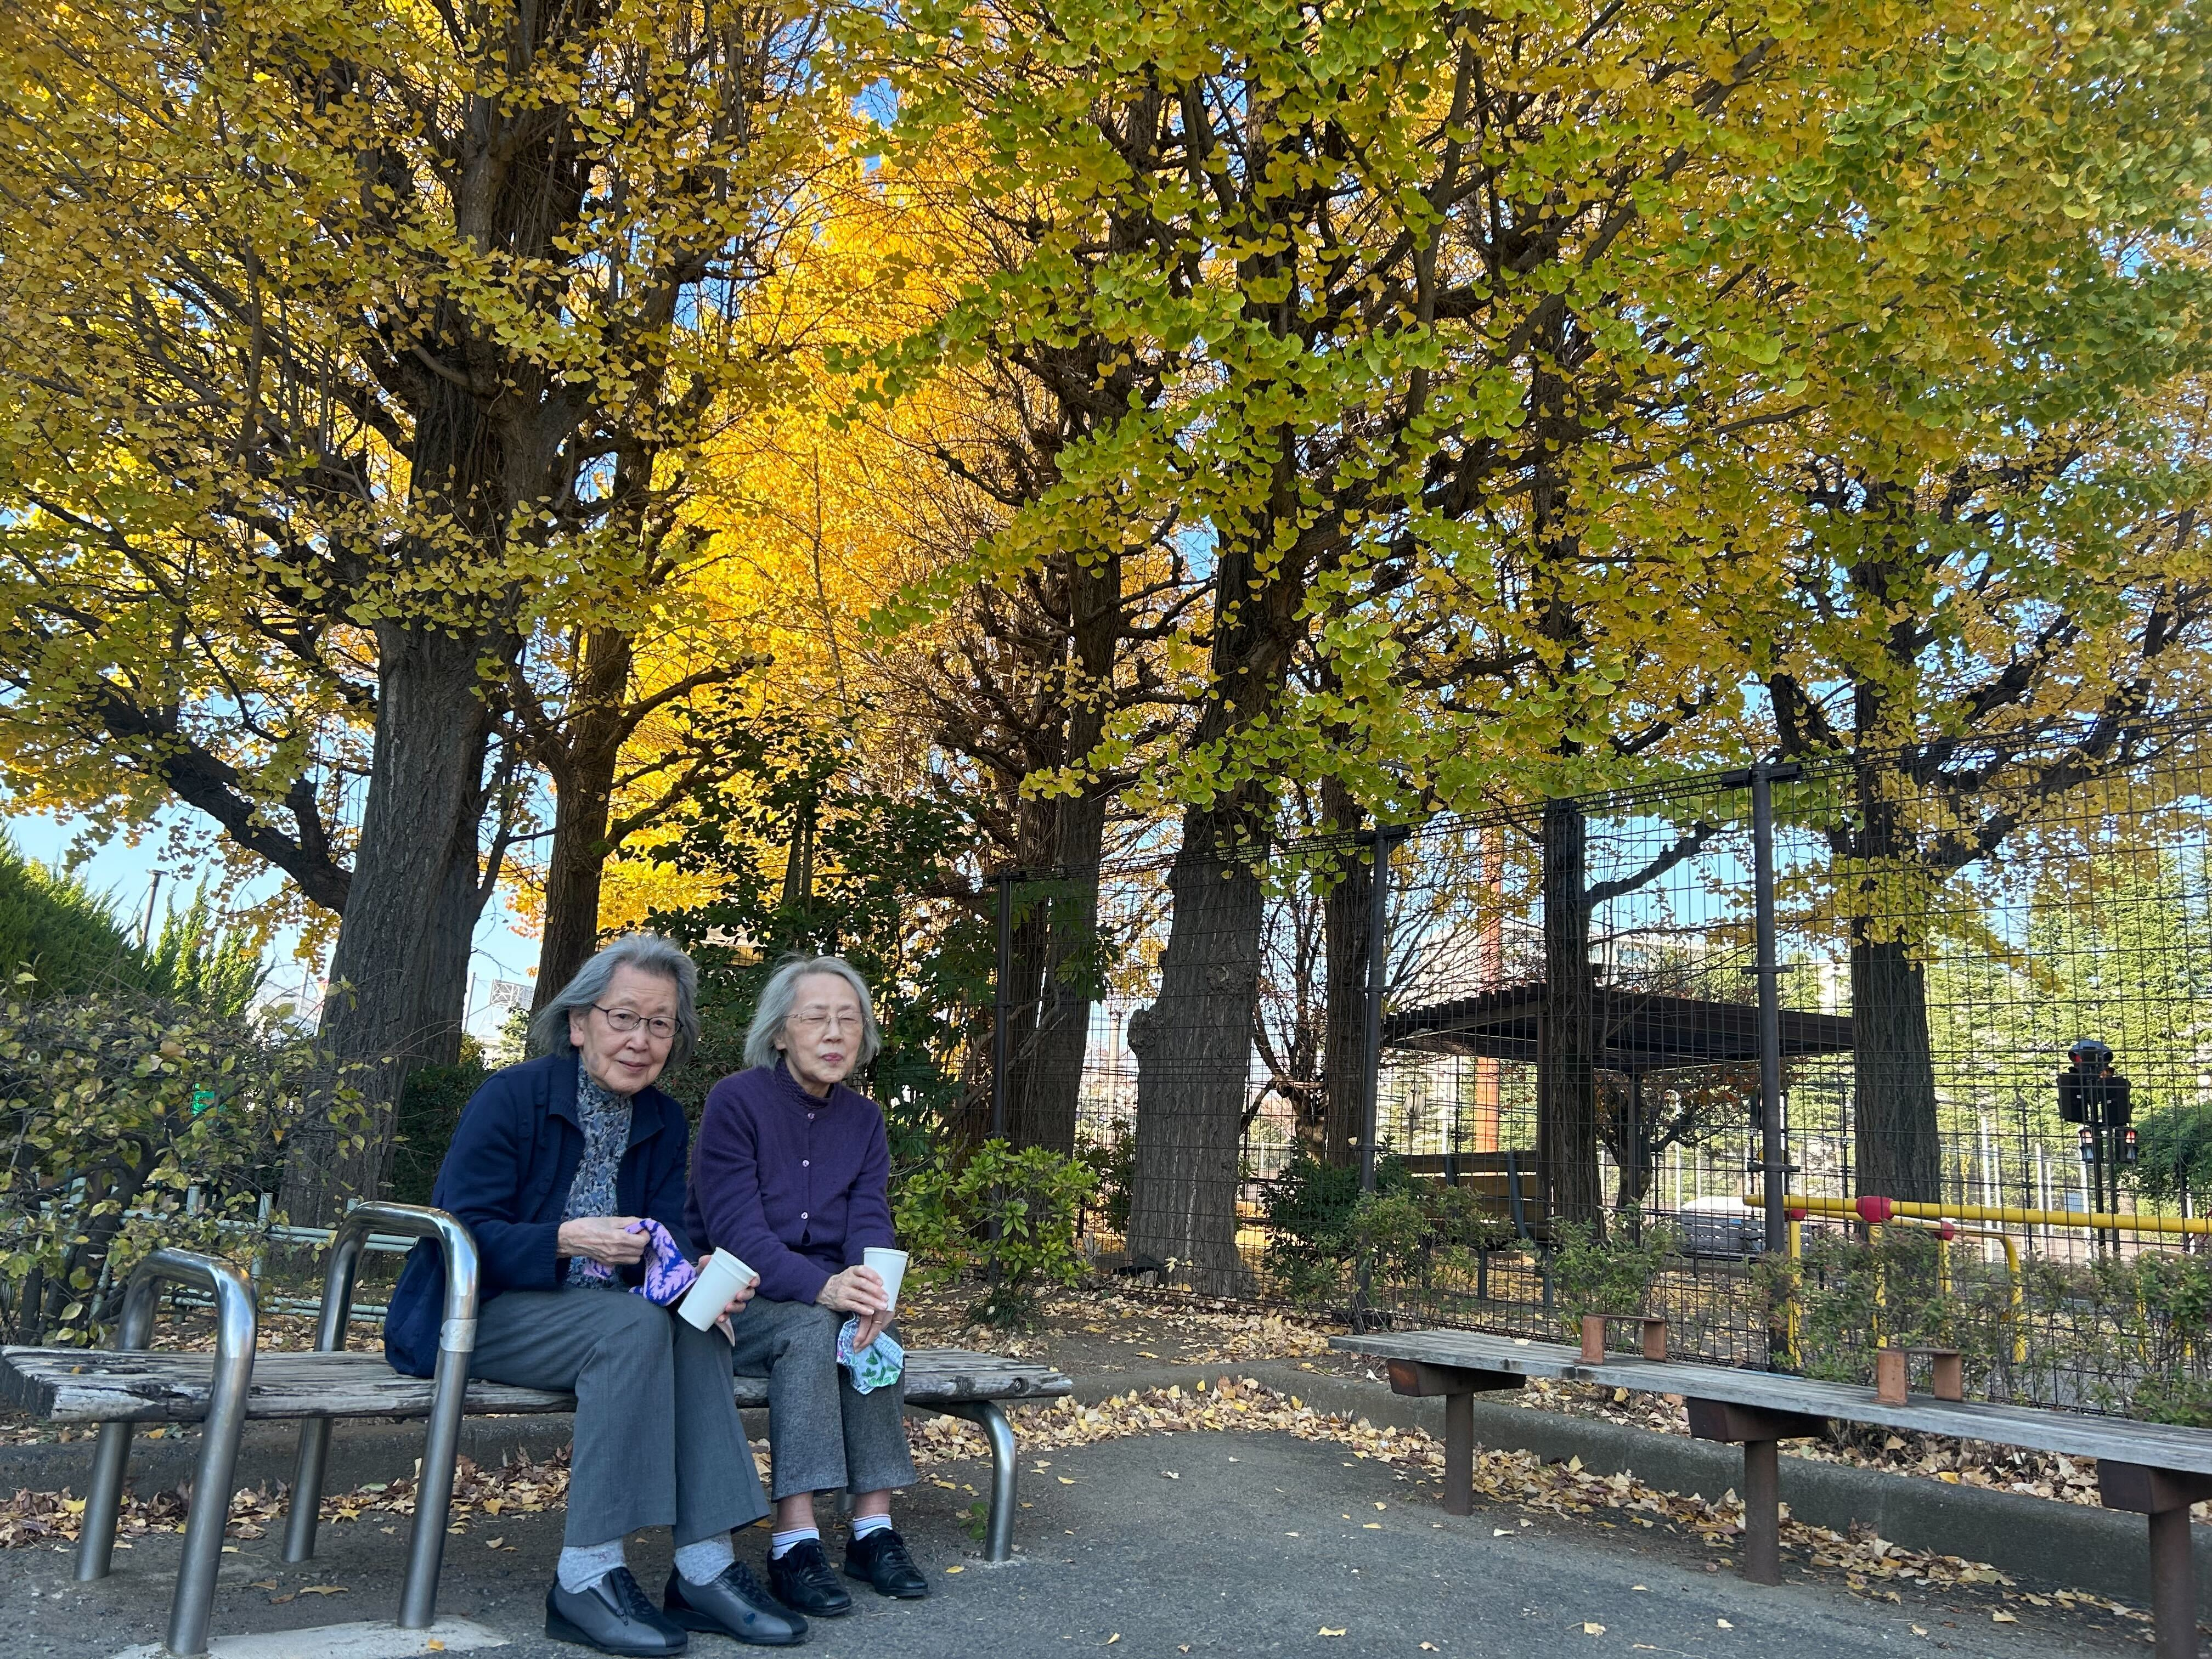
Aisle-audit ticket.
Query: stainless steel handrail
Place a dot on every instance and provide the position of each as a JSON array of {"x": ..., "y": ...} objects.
[
  {"x": 237, "y": 1329},
  {"x": 456, "y": 1341}
]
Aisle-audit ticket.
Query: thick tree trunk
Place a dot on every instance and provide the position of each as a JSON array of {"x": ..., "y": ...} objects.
[
  {"x": 1566, "y": 1065},
  {"x": 1193, "y": 1047},
  {"x": 1893, "y": 1118},
  {"x": 400, "y": 974},
  {"x": 1345, "y": 924}
]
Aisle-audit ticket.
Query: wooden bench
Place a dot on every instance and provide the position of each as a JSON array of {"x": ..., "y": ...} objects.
[
  {"x": 122, "y": 1387},
  {"x": 2146, "y": 1469}
]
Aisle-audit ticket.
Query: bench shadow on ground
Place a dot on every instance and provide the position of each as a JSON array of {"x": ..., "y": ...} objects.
[{"x": 1193, "y": 1543}]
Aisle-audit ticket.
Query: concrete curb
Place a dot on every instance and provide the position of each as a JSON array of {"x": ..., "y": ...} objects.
[{"x": 2041, "y": 1543}]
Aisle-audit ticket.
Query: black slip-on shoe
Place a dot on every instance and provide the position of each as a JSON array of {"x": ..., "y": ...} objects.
[
  {"x": 800, "y": 1578},
  {"x": 881, "y": 1560},
  {"x": 614, "y": 1616},
  {"x": 734, "y": 1606}
]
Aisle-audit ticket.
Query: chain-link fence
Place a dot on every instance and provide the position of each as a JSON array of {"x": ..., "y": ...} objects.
[{"x": 1555, "y": 1012}]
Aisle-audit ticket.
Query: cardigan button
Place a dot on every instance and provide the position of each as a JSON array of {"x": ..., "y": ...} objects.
[
  {"x": 802, "y": 1215},
  {"x": 805, "y": 1162}
]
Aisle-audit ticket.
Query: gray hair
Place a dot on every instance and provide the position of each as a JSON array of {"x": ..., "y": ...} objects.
[
  {"x": 782, "y": 991},
  {"x": 648, "y": 953}
]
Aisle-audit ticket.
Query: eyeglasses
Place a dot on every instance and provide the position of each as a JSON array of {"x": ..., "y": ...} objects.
[
  {"x": 826, "y": 1020},
  {"x": 627, "y": 1020}
]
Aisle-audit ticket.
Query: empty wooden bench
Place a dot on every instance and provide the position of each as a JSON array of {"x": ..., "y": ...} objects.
[
  {"x": 2147, "y": 1469},
  {"x": 124, "y": 1386}
]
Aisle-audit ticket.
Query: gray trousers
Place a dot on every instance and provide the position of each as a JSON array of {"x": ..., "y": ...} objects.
[
  {"x": 823, "y": 1434},
  {"x": 658, "y": 1439}
]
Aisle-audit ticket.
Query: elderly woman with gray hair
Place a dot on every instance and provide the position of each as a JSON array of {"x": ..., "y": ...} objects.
[
  {"x": 559, "y": 1167},
  {"x": 792, "y": 1175}
]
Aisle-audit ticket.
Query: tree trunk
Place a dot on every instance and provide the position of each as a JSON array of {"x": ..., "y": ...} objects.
[
  {"x": 1193, "y": 1047},
  {"x": 1048, "y": 1085},
  {"x": 1345, "y": 924},
  {"x": 400, "y": 973},
  {"x": 1566, "y": 1065},
  {"x": 584, "y": 783},
  {"x": 1893, "y": 1119}
]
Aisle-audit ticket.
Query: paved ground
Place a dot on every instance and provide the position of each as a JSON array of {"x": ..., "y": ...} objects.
[{"x": 1200, "y": 1543}]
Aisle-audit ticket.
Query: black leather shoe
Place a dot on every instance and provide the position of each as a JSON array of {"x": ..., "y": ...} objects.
[
  {"x": 800, "y": 1577},
  {"x": 613, "y": 1616},
  {"x": 881, "y": 1560},
  {"x": 734, "y": 1606}
]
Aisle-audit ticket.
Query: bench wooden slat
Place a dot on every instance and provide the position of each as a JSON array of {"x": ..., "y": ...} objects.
[
  {"x": 98, "y": 1385},
  {"x": 2075, "y": 1434}
]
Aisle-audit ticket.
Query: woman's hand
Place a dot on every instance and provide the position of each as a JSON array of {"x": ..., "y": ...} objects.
[
  {"x": 872, "y": 1326},
  {"x": 745, "y": 1290},
  {"x": 858, "y": 1291},
  {"x": 604, "y": 1238}
]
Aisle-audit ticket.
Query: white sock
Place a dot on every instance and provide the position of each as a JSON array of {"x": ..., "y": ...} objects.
[
  {"x": 865, "y": 1525},
  {"x": 580, "y": 1569},
  {"x": 780, "y": 1544},
  {"x": 704, "y": 1562}
]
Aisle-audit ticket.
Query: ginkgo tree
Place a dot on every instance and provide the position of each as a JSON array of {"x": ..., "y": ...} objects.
[{"x": 343, "y": 346}]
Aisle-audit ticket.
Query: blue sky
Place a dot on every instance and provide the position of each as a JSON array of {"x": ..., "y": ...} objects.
[{"x": 126, "y": 872}]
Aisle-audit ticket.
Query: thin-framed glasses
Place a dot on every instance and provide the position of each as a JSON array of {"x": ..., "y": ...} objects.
[
  {"x": 827, "y": 1020},
  {"x": 627, "y": 1020}
]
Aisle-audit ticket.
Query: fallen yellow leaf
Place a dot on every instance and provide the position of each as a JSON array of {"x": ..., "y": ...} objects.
[
  {"x": 2003, "y": 1619},
  {"x": 956, "y": 1569},
  {"x": 322, "y": 1590},
  {"x": 1326, "y": 1631},
  {"x": 1724, "y": 1624},
  {"x": 1590, "y": 1629},
  {"x": 1114, "y": 1637}
]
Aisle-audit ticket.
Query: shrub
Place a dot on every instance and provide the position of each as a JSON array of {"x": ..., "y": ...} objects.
[
  {"x": 134, "y": 1121},
  {"x": 1322, "y": 1232},
  {"x": 1113, "y": 1162},
  {"x": 1611, "y": 1274},
  {"x": 429, "y": 1111},
  {"x": 1009, "y": 1216}
]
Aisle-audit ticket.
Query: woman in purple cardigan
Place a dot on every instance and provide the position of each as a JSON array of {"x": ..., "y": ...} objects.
[{"x": 792, "y": 1174}]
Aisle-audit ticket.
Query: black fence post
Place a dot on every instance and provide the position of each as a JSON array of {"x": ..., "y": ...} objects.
[
  {"x": 1378, "y": 974},
  {"x": 1002, "y": 1004},
  {"x": 1772, "y": 1154}
]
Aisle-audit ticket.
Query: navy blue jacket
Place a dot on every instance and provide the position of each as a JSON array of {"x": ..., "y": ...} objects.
[{"x": 507, "y": 1177}]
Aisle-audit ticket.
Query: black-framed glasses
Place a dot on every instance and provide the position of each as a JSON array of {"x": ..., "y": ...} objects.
[{"x": 627, "y": 1020}]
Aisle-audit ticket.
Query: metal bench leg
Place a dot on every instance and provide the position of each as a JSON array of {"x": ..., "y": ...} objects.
[
  {"x": 434, "y": 1493},
  {"x": 103, "y": 1503},
  {"x": 2165, "y": 1496},
  {"x": 304, "y": 1502},
  {"x": 1757, "y": 1430},
  {"x": 1762, "y": 1511},
  {"x": 999, "y": 1528},
  {"x": 237, "y": 1329},
  {"x": 1458, "y": 1454}
]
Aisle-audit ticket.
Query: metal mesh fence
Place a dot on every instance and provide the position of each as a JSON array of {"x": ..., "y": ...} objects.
[{"x": 1563, "y": 1051}]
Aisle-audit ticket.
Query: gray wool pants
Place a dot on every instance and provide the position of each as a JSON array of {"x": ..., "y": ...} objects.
[
  {"x": 658, "y": 1439},
  {"x": 823, "y": 1434}
]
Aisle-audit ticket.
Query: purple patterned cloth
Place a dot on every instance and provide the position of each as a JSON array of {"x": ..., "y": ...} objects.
[{"x": 667, "y": 1273}]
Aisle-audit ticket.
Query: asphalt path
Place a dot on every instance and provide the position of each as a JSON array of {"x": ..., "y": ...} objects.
[{"x": 1199, "y": 1544}]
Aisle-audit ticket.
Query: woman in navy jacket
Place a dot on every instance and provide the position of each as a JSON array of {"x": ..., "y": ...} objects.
[{"x": 554, "y": 1162}]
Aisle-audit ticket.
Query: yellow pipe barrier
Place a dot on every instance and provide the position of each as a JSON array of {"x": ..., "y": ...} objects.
[
  {"x": 2012, "y": 1268},
  {"x": 1878, "y": 1210}
]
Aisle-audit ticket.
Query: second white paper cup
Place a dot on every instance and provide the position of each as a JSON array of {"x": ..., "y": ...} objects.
[
  {"x": 890, "y": 1265},
  {"x": 718, "y": 1281}
]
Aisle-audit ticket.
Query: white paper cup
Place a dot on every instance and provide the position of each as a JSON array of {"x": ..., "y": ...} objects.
[
  {"x": 890, "y": 1265},
  {"x": 718, "y": 1281}
]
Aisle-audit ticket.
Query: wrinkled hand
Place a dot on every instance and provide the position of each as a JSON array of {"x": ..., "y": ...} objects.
[
  {"x": 857, "y": 1290},
  {"x": 872, "y": 1326},
  {"x": 604, "y": 1238}
]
